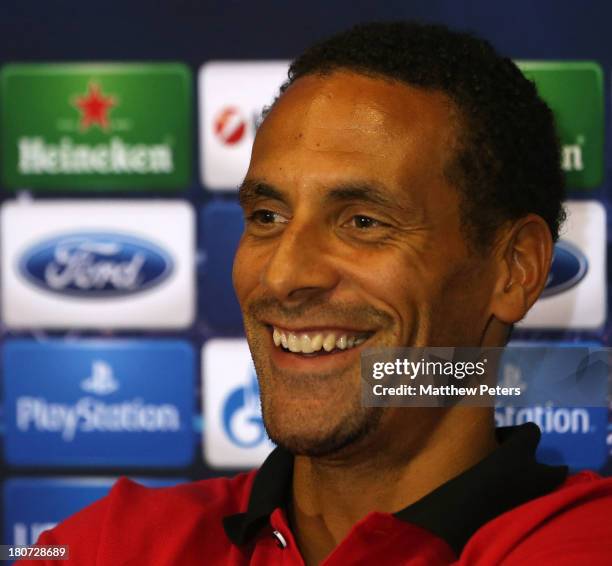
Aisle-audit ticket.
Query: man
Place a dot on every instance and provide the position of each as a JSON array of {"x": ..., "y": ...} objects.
[{"x": 403, "y": 190}]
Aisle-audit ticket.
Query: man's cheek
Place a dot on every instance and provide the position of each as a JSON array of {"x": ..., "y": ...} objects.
[{"x": 239, "y": 274}]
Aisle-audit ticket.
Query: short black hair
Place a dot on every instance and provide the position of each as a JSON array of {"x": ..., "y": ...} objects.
[{"x": 507, "y": 162}]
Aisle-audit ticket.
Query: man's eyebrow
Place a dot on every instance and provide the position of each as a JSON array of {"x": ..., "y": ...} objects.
[
  {"x": 369, "y": 192},
  {"x": 365, "y": 192},
  {"x": 249, "y": 190}
]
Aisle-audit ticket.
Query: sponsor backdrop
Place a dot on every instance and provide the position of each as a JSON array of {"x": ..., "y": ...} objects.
[{"x": 124, "y": 131}]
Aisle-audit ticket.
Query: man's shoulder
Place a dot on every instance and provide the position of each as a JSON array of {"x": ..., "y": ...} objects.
[
  {"x": 223, "y": 495},
  {"x": 131, "y": 513},
  {"x": 572, "y": 522}
]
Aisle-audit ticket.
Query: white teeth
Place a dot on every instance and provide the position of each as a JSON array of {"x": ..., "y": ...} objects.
[
  {"x": 329, "y": 342},
  {"x": 293, "y": 341},
  {"x": 276, "y": 336},
  {"x": 308, "y": 343},
  {"x": 317, "y": 342}
]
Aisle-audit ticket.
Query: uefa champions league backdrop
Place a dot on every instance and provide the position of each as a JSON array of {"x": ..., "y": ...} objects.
[{"x": 125, "y": 128}]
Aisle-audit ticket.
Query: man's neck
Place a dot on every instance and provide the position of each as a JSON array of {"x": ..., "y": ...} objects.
[{"x": 411, "y": 455}]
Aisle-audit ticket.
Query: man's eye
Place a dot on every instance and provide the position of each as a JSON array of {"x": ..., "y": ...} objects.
[
  {"x": 360, "y": 221},
  {"x": 265, "y": 217}
]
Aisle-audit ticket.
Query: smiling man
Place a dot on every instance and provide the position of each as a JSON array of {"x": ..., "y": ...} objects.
[{"x": 403, "y": 190}]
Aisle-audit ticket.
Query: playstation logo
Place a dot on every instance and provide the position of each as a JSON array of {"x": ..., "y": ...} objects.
[{"x": 101, "y": 381}]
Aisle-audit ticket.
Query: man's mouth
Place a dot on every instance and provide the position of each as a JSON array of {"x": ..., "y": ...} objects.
[{"x": 317, "y": 342}]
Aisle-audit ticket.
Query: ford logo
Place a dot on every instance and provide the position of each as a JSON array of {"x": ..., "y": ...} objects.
[
  {"x": 569, "y": 266},
  {"x": 95, "y": 264}
]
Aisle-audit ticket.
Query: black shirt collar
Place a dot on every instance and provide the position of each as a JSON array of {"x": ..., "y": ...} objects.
[{"x": 506, "y": 478}]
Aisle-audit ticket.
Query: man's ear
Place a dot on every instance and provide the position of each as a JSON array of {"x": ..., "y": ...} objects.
[{"x": 524, "y": 259}]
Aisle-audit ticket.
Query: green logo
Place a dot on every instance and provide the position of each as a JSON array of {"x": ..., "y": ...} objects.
[
  {"x": 574, "y": 91},
  {"x": 96, "y": 126}
]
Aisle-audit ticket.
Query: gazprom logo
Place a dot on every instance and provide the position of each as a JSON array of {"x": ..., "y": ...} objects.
[
  {"x": 101, "y": 264},
  {"x": 242, "y": 420},
  {"x": 569, "y": 266}
]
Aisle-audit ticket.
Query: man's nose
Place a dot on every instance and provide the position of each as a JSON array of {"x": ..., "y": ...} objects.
[{"x": 302, "y": 264}]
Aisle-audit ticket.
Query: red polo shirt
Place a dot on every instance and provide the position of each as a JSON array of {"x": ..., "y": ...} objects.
[{"x": 508, "y": 509}]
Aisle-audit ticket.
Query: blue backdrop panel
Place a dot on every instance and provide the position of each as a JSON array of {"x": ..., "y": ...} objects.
[{"x": 99, "y": 403}]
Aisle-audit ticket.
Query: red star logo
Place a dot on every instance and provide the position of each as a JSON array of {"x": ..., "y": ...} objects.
[{"x": 94, "y": 107}]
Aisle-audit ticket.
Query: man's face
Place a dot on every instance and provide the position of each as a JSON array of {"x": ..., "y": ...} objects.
[{"x": 353, "y": 240}]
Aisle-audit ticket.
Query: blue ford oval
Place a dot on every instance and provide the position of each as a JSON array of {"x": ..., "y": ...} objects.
[
  {"x": 569, "y": 266},
  {"x": 95, "y": 264}
]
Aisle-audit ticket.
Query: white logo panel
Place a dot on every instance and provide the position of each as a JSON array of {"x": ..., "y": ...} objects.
[
  {"x": 575, "y": 298},
  {"x": 234, "y": 435},
  {"x": 98, "y": 264},
  {"x": 232, "y": 96}
]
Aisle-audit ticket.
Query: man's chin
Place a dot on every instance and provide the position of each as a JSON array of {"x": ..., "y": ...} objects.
[{"x": 307, "y": 439}]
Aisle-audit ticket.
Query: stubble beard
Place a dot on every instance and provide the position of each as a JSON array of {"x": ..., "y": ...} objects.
[{"x": 298, "y": 430}]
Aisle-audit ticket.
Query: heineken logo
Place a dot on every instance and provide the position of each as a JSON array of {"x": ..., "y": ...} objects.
[
  {"x": 93, "y": 128},
  {"x": 94, "y": 107},
  {"x": 574, "y": 92},
  {"x": 571, "y": 156},
  {"x": 116, "y": 157}
]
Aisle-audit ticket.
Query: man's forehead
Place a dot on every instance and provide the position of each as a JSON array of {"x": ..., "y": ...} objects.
[
  {"x": 346, "y": 111},
  {"x": 340, "y": 103},
  {"x": 368, "y": 102}
]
